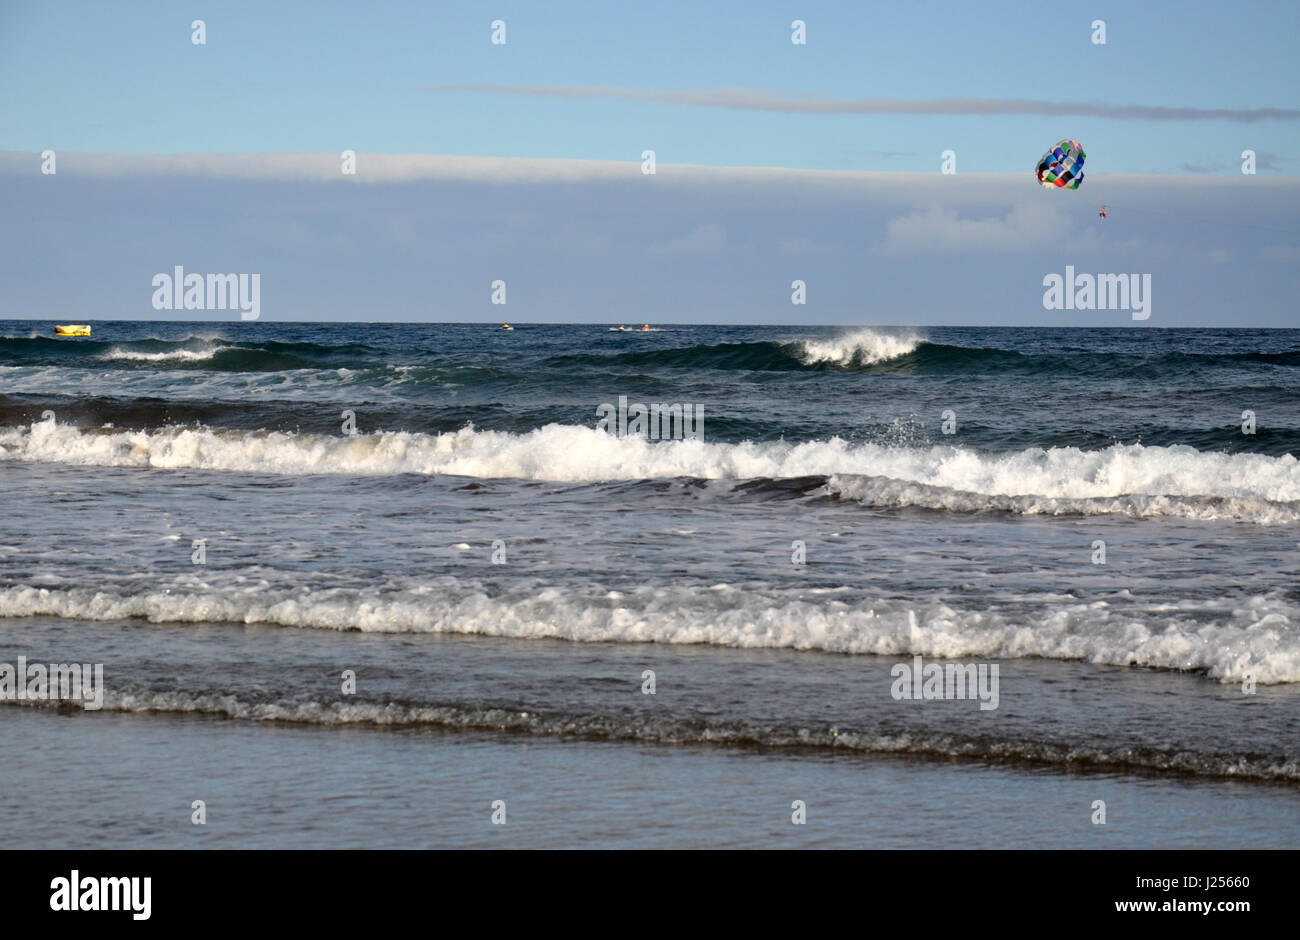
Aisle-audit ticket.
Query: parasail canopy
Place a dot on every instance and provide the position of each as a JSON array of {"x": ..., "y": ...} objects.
[{"x": 1062, "y": 166}]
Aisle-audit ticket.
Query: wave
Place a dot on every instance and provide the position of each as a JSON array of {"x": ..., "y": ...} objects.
[
  {"x": 208, "y": 353},
  {"x": 859, "y": 348},
  {"x": 1125, "y": 479},
  {"x": 1224, "y": 638},
  {"x": 466, "y": 717},
  {"x": 901, "y": 352},
  {"x": 1288, "y": 358},
  {"x": 885, "y": 493},
  {"x": 187, "y": 355},
  {"x": 852, "y": 351}
]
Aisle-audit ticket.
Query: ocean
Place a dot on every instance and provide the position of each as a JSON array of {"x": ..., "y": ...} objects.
[{"x": 438, "y": 585}]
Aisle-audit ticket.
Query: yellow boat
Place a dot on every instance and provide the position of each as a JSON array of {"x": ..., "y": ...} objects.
[{"x": 72, "y": 329}]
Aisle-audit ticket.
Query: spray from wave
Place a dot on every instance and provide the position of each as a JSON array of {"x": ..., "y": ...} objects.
[
  {"x": 860, "y": 348},
  {"x": 173, "y": 355}
]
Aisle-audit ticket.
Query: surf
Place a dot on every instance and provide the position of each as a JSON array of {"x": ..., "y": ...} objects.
[
  {"x": 1124, "y": 479},
  {"x": 1242, "y": 638}
]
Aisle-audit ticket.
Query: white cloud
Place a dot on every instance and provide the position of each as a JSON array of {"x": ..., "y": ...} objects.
[{"x": 992, "y": 190}]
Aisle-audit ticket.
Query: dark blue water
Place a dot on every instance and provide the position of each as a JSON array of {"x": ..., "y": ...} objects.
[{"x": 1009, "y": 387}]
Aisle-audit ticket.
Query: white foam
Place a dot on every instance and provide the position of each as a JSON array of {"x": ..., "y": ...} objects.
[
  {"x": 861, "y": 347},
  {"x": 882, "y": 492},
  {"x": 199, "y": 385},
  {"x": 1225, "y": 637},
  {"x": 184, "y": 355},
  {"x": 1128, "y": 479}
]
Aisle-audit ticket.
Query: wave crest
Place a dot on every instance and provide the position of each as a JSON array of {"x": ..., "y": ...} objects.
[
  {"x": 1128, "y": 479},
  {"x": 1246, "y": 635},
  {"x": 859, "y": 348}
]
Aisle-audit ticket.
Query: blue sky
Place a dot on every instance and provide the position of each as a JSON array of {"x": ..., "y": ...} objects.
[
  {"x": 1174, "y": 96},
  {"x": 324, "y": 76}
]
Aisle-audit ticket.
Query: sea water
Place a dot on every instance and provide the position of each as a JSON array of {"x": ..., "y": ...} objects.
[{"x": 355, "y": 584}]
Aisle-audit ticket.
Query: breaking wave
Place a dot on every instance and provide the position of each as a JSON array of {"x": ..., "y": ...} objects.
[
  {"x": 859, "y": 348},
  {"x": 1124, "y": 479},
  {"x": 1224, "y": 638}
]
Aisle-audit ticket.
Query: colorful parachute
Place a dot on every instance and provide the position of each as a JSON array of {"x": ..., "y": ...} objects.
[{"x": 1062, "y": 166}]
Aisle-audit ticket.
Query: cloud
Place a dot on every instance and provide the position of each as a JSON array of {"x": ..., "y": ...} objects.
[
  {"x": 573, "y": 239},
  {"x": 374, "y": 168},
  {"x": 747, "y": 99},
  {"x": 944, "y": 230},
  {"x": 991, "y": 189},
  {"x": 1268, "y": 161},
  {"x": 706, "y": 239},
  {"x": 324, "y": 167},
  {"x": 292, "y": 235},
  {"x": 802, "y": 245},
  {"x": 888, "y": 154},
  {"x": 1026, "y": 226}
]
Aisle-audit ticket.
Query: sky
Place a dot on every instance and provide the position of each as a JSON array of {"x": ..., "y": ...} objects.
[{"x": 775, "y": 162}]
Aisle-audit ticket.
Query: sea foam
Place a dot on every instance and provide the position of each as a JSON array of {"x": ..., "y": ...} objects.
[
  {"x": 860, "y": 347},
  {"x": 1126, "y": 479},
  {"x": 1226, "y": 638}
]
